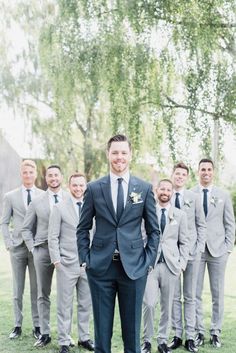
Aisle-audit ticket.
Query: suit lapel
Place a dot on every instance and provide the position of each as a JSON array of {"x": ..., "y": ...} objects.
[
  {"x": 72, "y": 211},
  {"x": 21, "y": 200},
  {"x": 106, "y": 191},
  {"x": 132, "y": 187},
  {"x": 211, "y": 206}
]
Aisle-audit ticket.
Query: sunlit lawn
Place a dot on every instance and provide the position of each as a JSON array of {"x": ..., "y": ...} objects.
[{"x": 25, "y": 343}]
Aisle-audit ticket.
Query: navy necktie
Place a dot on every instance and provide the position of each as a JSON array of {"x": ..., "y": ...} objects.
[
  {"x": 56, "y": 198},
  {"x": 177, "y": 203},
  {"x": 120, "y": 199},
  {"x": 28, "y": 196},
  {"x": 163, "y": 220},
  {"x": 205, "y": 204},
  {"x": 79, "y": 207}
]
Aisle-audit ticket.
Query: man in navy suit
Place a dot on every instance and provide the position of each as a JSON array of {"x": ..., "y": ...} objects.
[{"x": 117, "y": 263}]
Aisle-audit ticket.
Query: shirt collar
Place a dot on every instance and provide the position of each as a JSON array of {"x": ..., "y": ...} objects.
[
  {"x": 24, "y": 188},
  {"x": 114, "y": 177},
  {"x": 74, "y": 200},
  {"x": 167, "y": 207},
  {"x": 209, "y": 188},
  {"x": 51, "y": 193}
]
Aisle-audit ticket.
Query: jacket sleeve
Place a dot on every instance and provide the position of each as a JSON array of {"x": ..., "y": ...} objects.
[
  {"x": 85, "y": 225},
  {"x": 151, "y": 227},
  {"x": 7, "y": 213}
]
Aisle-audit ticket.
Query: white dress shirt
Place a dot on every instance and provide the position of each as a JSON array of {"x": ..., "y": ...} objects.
[
  {"x": 52, "y": 198},
  {"x": 114, "y": 187},
  {"x": 25, "y": 194}
]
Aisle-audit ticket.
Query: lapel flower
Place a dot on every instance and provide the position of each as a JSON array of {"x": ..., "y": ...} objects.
[
  {"x": 135, "y": 197},
  {"x": 188, "y": 203},
  {"x": 171, "y": 218},
  {"x": 215, "y": 200}
]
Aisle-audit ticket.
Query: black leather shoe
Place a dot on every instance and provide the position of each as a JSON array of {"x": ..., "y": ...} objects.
[
  {"x": 190, "y": 346},
  {"x": 215, "y": 341},
  {"x": 43, "y": 341},
  {"x": 64, "y": 349},
  {"x": 146, "y": 347},
  {"x": 175, "y": 343},
  {"x": 163, "y": 348},
  {"x": 89, "y": 345},
  {"x": 16, "y": 332},
  {"x": 199, "y": 340},
  {"x": 36, "y": 332}
]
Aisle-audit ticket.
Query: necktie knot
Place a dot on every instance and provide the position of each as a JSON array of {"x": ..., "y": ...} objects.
[
  {"x": 120, "y": 180},
  {"x": 56, "y": 198},
  {"x": 28, "y": 196},
  {"x": 205, "y": 191},
  {"x": 163, "y": 210}
]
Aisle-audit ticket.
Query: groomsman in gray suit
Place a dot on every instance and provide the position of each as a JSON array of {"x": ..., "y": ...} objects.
[
  {"x": 190, "y": 203},
  {"x": 35, "y": 235},
  {"x": 219, "y": 215},
  {"x": 63, "y": 251},
  {"x": 15, "y": 204},
  {"x": 171, "y": 259}
]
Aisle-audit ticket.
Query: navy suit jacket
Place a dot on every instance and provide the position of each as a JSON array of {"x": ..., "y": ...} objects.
[{"x": 125, "y": 235}]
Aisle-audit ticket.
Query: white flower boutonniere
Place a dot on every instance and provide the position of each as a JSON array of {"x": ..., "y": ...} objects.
[
  {"x": 172, "y": 220},
  {"x": 187, "y": 203},
  {"x": 135, "y": 197},
  {"x": 215, "y": 200}
]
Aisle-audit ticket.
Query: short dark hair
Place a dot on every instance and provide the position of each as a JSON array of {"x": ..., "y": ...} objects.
[
  {"x": 54, "y": 166},
  {"x": 206, "y": 160},
  {"x": 118, "y": 138},
  {"x": 77, "y": 175},
  {"x": 182, "y": 166},
  {"x": 165, "y": 180}
]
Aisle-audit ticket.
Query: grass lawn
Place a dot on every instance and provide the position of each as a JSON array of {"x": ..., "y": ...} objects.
[{"x": 25, "y": 342}]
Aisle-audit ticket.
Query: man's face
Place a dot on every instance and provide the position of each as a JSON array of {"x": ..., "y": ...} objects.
[
  {"x": 77, "y": 187},
  {"x": 119, "y": 157},
  {"x": 206, "y": 173},
  {"x": 28, "y": 176},
  {"x": 164, "y": 191},
  {"x": 179, "y": 178},
  {"x": 53, "y": 178}
]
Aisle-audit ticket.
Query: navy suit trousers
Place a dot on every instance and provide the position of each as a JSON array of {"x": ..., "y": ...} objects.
[{"x": 130, "y": 296}]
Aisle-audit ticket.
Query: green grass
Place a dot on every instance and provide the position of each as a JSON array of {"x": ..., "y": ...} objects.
[{"x": 25, "y": 342}]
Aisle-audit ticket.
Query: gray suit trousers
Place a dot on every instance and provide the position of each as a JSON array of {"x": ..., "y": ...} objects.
[
  {"x": 216, "y": 270},
  {"x": 44, "y": 272},
  {"x": 70, "y": 277},
  {"x": 188, "y": 283},
  {"x": 20, "y": 259},
  {"x": 160, "y": 281}
]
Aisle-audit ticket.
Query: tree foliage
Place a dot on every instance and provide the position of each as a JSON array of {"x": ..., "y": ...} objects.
[{"x": 162, "y": 72}]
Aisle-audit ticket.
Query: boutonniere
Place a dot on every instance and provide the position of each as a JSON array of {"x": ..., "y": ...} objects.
[
  {"x": 135, "y": 197},
  {"x": 215, "y": 200},
  {"x": 172, "y": 220},
  {"x": 188, "y": 203}
]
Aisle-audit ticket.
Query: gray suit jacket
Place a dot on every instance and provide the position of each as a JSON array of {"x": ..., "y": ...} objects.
[
  {"x": 14, "y": 211},
  {"x": 62, "y": 241},
  {"x": 174, "y": 242},
  {"x": 37, "y": 216},
  {"x": 220, "y": 222},
  {"x": 196, "y": 222}
]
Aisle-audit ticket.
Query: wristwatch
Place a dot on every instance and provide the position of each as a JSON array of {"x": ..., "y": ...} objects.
[{"x": 84, "y": 265}]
